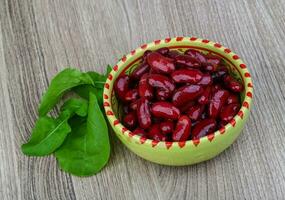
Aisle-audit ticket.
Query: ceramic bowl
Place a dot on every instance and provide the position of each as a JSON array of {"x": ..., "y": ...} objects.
[{"x": 191, "y": 151}]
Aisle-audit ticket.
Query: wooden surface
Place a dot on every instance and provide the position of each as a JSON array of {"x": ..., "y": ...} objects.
[{"x": 40, "y": 37}]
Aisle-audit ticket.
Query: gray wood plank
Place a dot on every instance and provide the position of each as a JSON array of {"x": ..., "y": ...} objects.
[{"x": 39, "y": 38}]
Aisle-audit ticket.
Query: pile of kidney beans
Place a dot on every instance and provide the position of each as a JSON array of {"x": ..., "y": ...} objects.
[{"x": 172, "y": 96}]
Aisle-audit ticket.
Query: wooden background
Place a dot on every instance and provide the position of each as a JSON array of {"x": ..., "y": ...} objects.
[{"x": 38, "y": 38}]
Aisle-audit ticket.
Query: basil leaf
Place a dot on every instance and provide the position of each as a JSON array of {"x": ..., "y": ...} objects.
[
  {"x": 98, "y": 79},
  {"x": 49, "y": 133},
  {"x": 86, "y": 150},
  {"x": 60, "y": 84},
  {"x": 84, "y": 91},
  {"x": 109, "y": 69},
  {"x": 77, "y": 106}
]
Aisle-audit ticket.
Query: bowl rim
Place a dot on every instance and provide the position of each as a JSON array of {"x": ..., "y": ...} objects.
[{"x": 207, "y": 45}]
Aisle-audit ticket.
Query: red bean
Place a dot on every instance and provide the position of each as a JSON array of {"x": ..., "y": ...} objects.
[
  {"x": 222, "y": 124},
  {"x": 205, "y": 97},
  {"x": 182, "y": 129},
  {"x": 134, "y": 105},
  {"x": 122, "y": 86},
  {"x": 162, "y": 82},
  {"x": 188, "y": 61},
  {"x": 196, "y": 54},
  {"x": 165, "y": 110},
  {"x": 154, "y": 133},
  {"x": 140, "y": 70},
  {"x": 222, "y": 71},
  {"x": 143, "y": 113},
  {"x": 187, "y": 76},
  {"x": 233, "y": 84},
  {"x": 166, "y": 127},
  {"x": 203, "y": 128},
  {"x": 145, "y": 54},
  {"x": 228, "y": 112},
  {"x": 212, "y": 62},
  {"x": 132, "y": 95},
  {"x": 233, "y": 98},
  {"x": 206, "y": 80},
  {"x": 162, "y": 95},
  {"x": 186, "y": 93},
  {"x": 216, "y": 87},
  {"x": 185, "y": 107},
  {"x": 195, "y": 112},
  {"x": 163, "y": 50},
  {"x": 145, "y": 90},
  {"x": 160, "y": 63},
  {"x": 130, "y": 120},
  {"x": 219, "y": 98},
  {"x": 173, "y": 53},
  {"x": 139, "y": 131}
]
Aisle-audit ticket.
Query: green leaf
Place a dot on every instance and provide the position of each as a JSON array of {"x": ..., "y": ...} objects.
[
  {"x": 98, "y": 79},
  {"x": 84, "y": 91},
  {"x": 78, "y": 106},
  {"x": 86, "y": 149},
  {"x": 49, "y": 133},
  {"x": 61, "y": 83},
  {"x": 108, "y": 70}
]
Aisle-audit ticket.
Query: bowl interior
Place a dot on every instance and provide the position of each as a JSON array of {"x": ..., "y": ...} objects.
[{"x": 128, "y": 69}]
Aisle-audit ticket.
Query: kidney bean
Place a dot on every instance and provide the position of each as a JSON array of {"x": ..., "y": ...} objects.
[
  {"x": 130, "y": 120},
  {"x": 122, "y": 86},
  {"x": 139, "y": 131},
  {"x": 219, "y": 98},
  {"x": 154, "y": 133},
  {"x": 140, "y": 70},
  {"x": 186, "y": 76},
  {"x": 143, "y": 113},
  {"x": 233, "y": 98},
  {"x": 206, "y": 80},
  {"x": 218, "y": 75},
  {"x": 134, "y": 105},
  {"x": 188, "y": 61},
  {"x": 173, "y": 53},
  {"x": 203, "y": 128},
  {"x": 195, "y": 112},
  {"x": 145, "y": 54},
  {"x": 145, "y": 90},
  {"x": 196, "y": 54},
  {"x": 205, "y": 97},
  {"x": 163, "y": 50},
  {"x": 132, "y": 95},
  {"x": 229, "y": 111},
  {"x": 160, "y": 63},
  {"x": 182, "y": 129},
  {"x": 233, "y": 84},
  {"x": 161, "y": 82},
  {"x": 212, "y": 62},
  {"x": 165, "y": 110},
  {"x": 166, "y": 127},
  {"x": 185, "y": 107},
  {"x": 216, "y": 87},
  {"x": 222, "y": 124},
  {"x": 162, "y": 95},
  {"x": 186, "y": 93}
]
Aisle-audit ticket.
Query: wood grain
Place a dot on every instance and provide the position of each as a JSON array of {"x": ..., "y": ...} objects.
[{"x": 39, "y": 38}]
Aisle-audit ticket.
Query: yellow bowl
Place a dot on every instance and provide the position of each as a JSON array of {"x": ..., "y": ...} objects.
[{"x": 191, "y": 151}]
